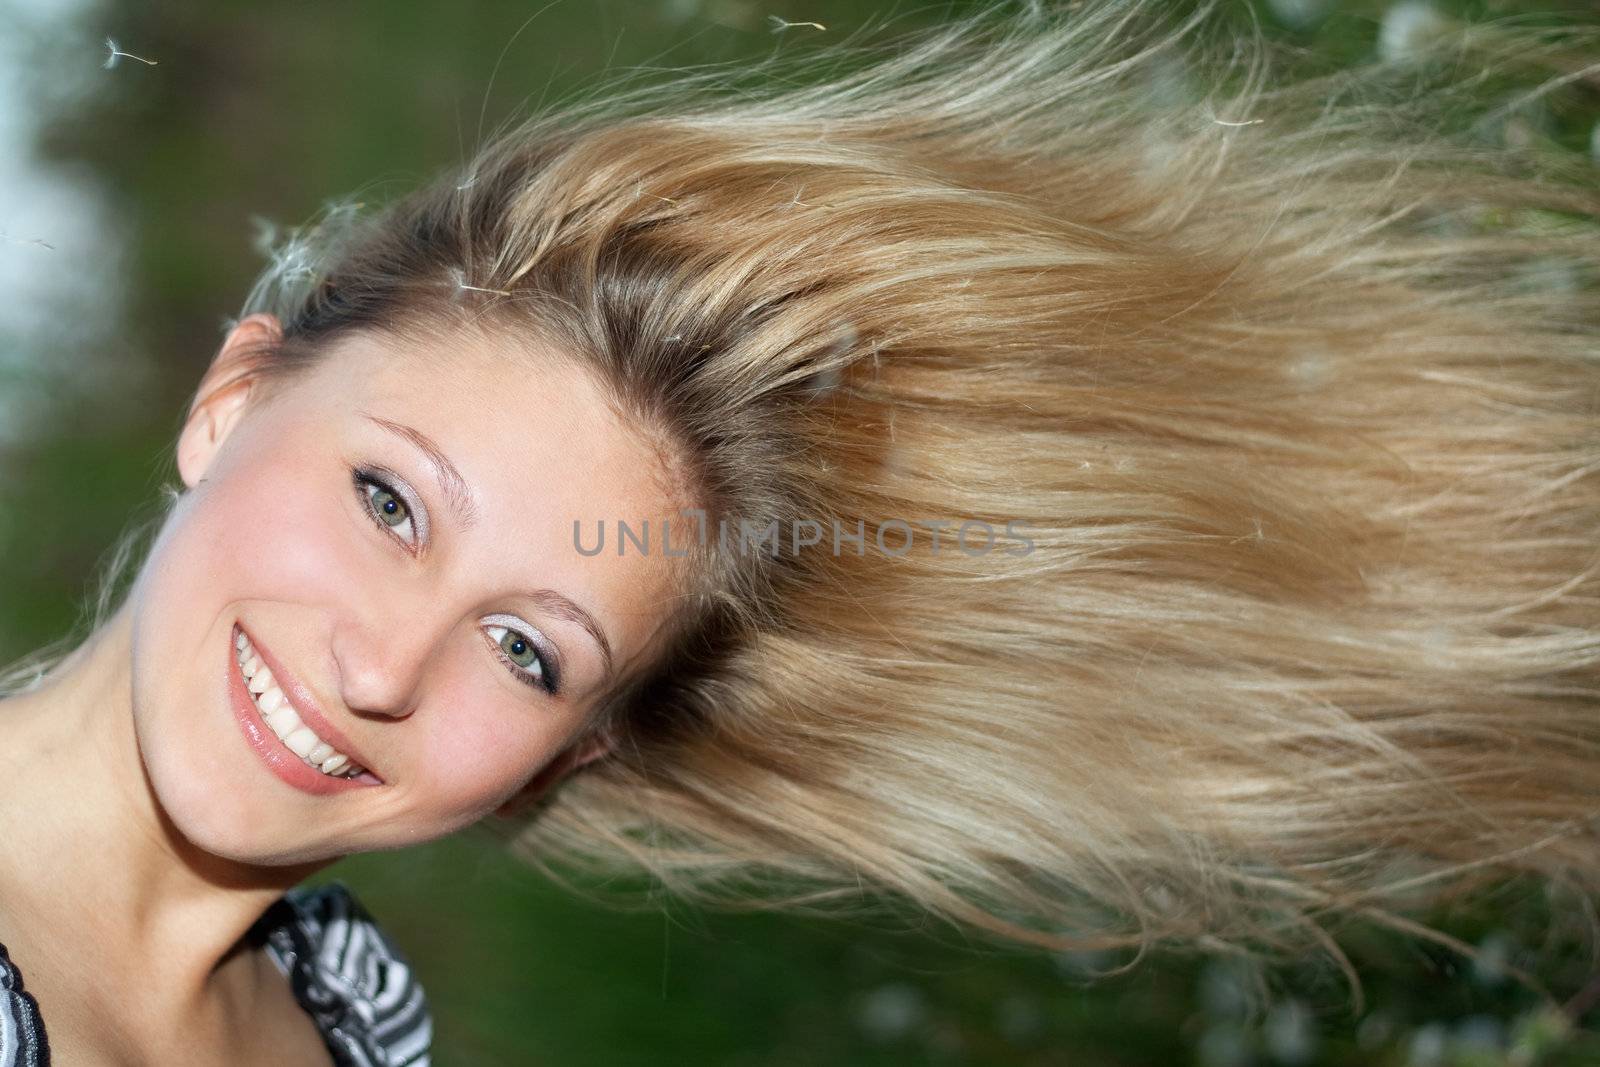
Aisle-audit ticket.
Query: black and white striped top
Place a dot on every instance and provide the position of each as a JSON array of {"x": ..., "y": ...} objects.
[{"x": 345, "y": 973}]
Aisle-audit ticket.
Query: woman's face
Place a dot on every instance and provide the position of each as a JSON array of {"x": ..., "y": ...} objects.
[{"x": 422, "y": 616}]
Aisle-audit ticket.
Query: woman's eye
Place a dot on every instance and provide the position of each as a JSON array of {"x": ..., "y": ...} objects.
[
  {"x": 383, "y": 503},
  {"x": 523, "y": 656}
]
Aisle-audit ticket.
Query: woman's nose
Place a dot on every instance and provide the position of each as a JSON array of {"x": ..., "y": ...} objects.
[{"x": 378, "y": 669}]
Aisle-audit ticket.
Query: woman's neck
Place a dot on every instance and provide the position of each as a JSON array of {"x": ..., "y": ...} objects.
[{"x": 91, "y": 863}]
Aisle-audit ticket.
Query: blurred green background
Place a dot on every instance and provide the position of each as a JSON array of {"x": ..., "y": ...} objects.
[{"x": 129, "y": 200}]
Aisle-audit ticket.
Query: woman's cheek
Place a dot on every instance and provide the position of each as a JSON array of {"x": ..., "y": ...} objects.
[
  {"x": 478, "y": 751},
  {"x": 281, "y": 527}
]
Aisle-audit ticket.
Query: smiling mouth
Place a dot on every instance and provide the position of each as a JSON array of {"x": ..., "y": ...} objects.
[{"x": 283, "y": 721}]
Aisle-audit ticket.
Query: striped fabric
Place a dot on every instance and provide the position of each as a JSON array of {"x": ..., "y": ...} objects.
[
  {"x": 345, "y": 973},
  {"x": 22, "y": 1042}
]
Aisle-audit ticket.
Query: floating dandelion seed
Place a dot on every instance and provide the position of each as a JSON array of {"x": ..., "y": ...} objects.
[
  {"x": 638, "y": 191},
  {"x": 114, "y": 53},
  {"x": 460, "y": 280},
  {"x": 336, "y": 212},
  {"x": 781, "y": 24},
  {"x": 4, "y": 236},
  {"x": 295, "y": 258},
  {"x": 266, "y": 237}
]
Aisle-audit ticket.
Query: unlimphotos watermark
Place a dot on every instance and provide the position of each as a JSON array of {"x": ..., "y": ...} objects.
[{"x": 892, "y": 537}]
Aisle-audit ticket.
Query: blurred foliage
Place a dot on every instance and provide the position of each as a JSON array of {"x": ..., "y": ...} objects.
[{"x": 268, "y": 111}]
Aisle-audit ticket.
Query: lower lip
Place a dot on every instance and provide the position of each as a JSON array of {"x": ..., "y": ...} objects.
[{"x": 290, "y": 769}]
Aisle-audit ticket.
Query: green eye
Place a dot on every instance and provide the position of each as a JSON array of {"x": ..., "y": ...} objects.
[
  {"x": 525, "y": 660},
  {"x": 386, "y": 508},
  {"x": 516, "y": 646},
  {"x": 389, "y": 507}
]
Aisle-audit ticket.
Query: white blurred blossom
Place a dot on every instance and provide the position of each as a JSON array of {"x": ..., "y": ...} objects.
[
  {"x": 1479, "y": 1033},
  {"x": 1291, "y": 1033},
  {"x": 1300, "y": 14},
  {"x": 1494, "y": 954},
  {"x": 1428, "y": 1046},
  {"x": 1409, "y": 29},
  {"x": 891, "y": 1011}
]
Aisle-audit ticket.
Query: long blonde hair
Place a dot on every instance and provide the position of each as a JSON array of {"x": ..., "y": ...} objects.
[{"x": 1288, "y": 385}]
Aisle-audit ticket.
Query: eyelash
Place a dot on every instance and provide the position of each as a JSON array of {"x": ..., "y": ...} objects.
[{"x": 362, "y": 478}]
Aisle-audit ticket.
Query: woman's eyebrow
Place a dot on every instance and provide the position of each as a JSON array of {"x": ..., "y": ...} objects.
[
  {"x": 459, "y": 497},
  {"x": 451, "y": 484},
  {"x": 565, "y": 608}
]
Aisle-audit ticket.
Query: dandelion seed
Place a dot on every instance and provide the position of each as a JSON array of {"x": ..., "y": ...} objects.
[
  {"x": 266, "y": 237},
  {"x": 4, "y": 236},
  {"x": 1410, "y": 29},
  {"x": 114, "y": 53},
  {"x": 781, "y": 24},
  {"x": 295, "y": 259},
  {"x": 638, "y": 191},
  {"x": 461, "y": 284},
  {"x": 1594, "y": 143},
  {"x": 1246, "y": 122},
  {"x": 336, "y": 212}
]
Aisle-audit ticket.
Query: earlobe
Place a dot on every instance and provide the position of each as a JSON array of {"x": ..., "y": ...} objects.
[
  {"x": 224, "y": 393},
  {"x": 208, "y": 426},
  {"x": 598, "y": 746}
]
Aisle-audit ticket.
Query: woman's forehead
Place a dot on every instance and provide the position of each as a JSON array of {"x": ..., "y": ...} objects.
[
  {"x": 470, "y": 372},
  {"x": 519, "y": 400}
]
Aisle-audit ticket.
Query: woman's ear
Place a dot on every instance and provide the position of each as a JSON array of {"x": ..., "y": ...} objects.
[
  {"x": 553, "y": 772},
  {"x": 220, "y": 401}
]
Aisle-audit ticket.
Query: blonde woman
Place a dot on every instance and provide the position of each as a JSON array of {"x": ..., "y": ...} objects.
[{"x": 1100, "y": 515}]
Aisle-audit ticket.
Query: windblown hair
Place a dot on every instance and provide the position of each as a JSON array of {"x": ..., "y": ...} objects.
[{"x": 1290, "y": 383}]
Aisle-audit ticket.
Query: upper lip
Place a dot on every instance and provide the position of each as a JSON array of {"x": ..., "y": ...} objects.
[{"x": 305, "y": 705}]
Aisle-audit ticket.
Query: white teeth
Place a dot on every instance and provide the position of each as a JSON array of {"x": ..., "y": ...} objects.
[
  {"x": 301, "y": 742},
  {"x": 282, "y": 720}
]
